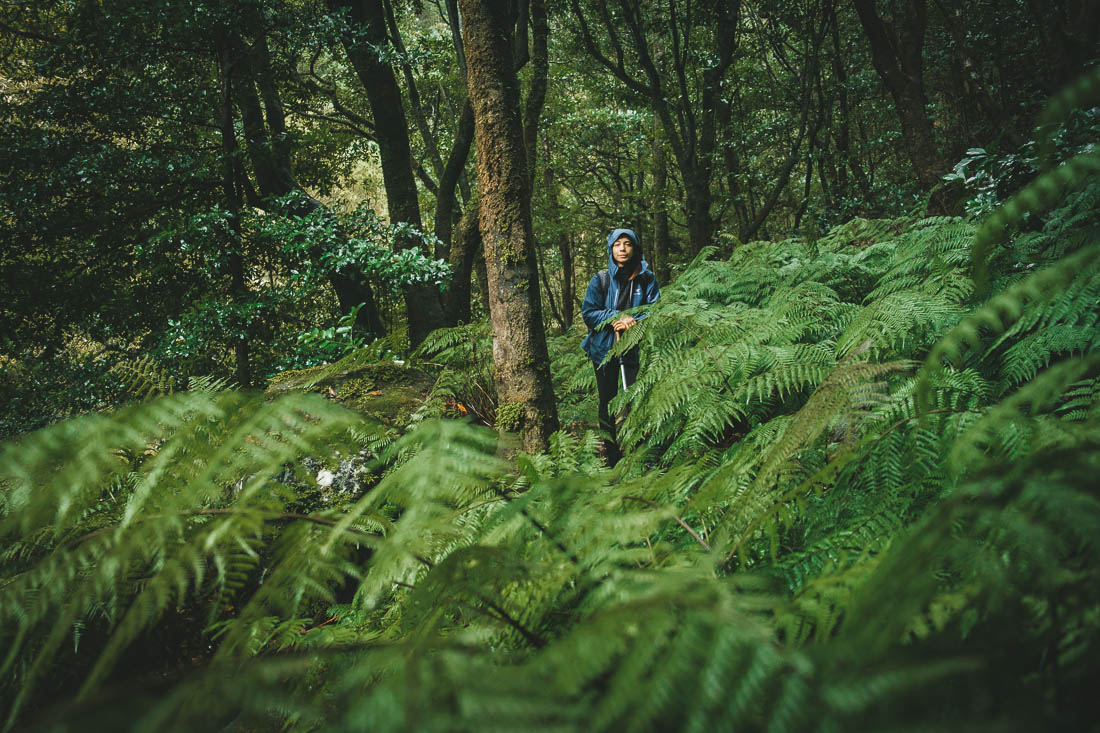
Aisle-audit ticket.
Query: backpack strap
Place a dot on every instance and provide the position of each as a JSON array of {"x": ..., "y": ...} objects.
[{"x": 605, "y": 280}]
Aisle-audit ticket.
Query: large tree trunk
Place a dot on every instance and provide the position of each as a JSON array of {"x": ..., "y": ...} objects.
[
  {"x": 897, "y": 57},
  {"x": 522, "y": 365},
  {"x": 422, "y": 301}
]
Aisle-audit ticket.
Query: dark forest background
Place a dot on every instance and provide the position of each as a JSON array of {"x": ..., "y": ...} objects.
[{"x": 214, "y": 184}]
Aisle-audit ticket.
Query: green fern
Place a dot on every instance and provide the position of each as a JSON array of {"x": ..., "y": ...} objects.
[
  {"x": 145, "y": 378},
  {"x": 196, "y": 490}
]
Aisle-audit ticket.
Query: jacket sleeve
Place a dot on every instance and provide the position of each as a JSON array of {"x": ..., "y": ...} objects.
[{"x": 592, "y": 309}]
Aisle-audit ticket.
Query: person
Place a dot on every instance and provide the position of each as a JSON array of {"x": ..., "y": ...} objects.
[{"x": 627, "y": 283}]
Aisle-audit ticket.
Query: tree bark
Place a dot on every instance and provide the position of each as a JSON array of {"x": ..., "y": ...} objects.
[
  {"x": 522, "y": 365},
  {"x": 422, "y": 301},
  {"x": 465, "y": 245}
]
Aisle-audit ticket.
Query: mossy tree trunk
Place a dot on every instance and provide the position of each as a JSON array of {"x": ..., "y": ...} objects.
[{"x": 522, "y": 366}]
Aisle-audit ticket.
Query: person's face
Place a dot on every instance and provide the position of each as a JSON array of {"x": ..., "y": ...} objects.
[{"x": 622, "y": 250}]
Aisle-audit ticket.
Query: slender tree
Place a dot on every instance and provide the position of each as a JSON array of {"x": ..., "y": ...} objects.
[
  {"x": 232, "y": 180},
  {"x": 686, "y": 109},
  {"x": 264, "y": 125},
  {"x": 897, "y": 51},
  {"x": 973, "y": 82},
  {"x": 661, "y": 238},
  {"x": 365, "y": 38}
]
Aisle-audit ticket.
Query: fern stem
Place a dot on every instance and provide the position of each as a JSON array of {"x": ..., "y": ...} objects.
[
  {"x": 507, "y": 618},
  {"x": 679, "y": 521},
  {"x": 220, "y": 512}
]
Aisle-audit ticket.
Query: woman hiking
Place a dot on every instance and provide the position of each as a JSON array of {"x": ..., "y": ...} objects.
[{"x": 626, "y": 283}]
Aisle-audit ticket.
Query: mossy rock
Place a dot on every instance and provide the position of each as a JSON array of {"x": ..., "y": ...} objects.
[{"x": 385, "y": 390}]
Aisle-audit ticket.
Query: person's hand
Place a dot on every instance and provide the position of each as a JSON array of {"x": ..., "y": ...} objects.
[{"x": 623, "y": 323}]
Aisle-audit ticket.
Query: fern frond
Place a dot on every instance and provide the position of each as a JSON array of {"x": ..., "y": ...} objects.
[
  {"x": 902, "y": 322},
  {"x": 1037, "y": 396},
  {"x": 145, "y": 378},
  {"x": 1004, "y": 309},
  {"x": 1028, "y": 356},
  {"x": 197, "y": 488},
  {"x": 1037, "y": 196},
  {"x": 842, "y": 391}
]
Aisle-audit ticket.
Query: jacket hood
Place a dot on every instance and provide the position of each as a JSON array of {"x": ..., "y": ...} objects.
[{"x": 615, "y": 234}]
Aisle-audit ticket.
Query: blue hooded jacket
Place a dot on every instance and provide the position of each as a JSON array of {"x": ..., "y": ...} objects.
[{"x": 599, "y": 306}]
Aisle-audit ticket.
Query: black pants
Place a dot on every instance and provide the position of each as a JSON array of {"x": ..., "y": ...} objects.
[{"x": 609, "y": 381}]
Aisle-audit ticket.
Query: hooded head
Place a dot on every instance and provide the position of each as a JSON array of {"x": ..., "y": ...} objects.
[{"x": 635, "y": 263}]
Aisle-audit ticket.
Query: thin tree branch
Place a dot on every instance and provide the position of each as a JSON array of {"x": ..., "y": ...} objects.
[{"x": 679, "y": 521}]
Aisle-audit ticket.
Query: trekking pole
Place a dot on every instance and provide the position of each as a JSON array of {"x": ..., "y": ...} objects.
[{"x": 622, "y": 366}]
